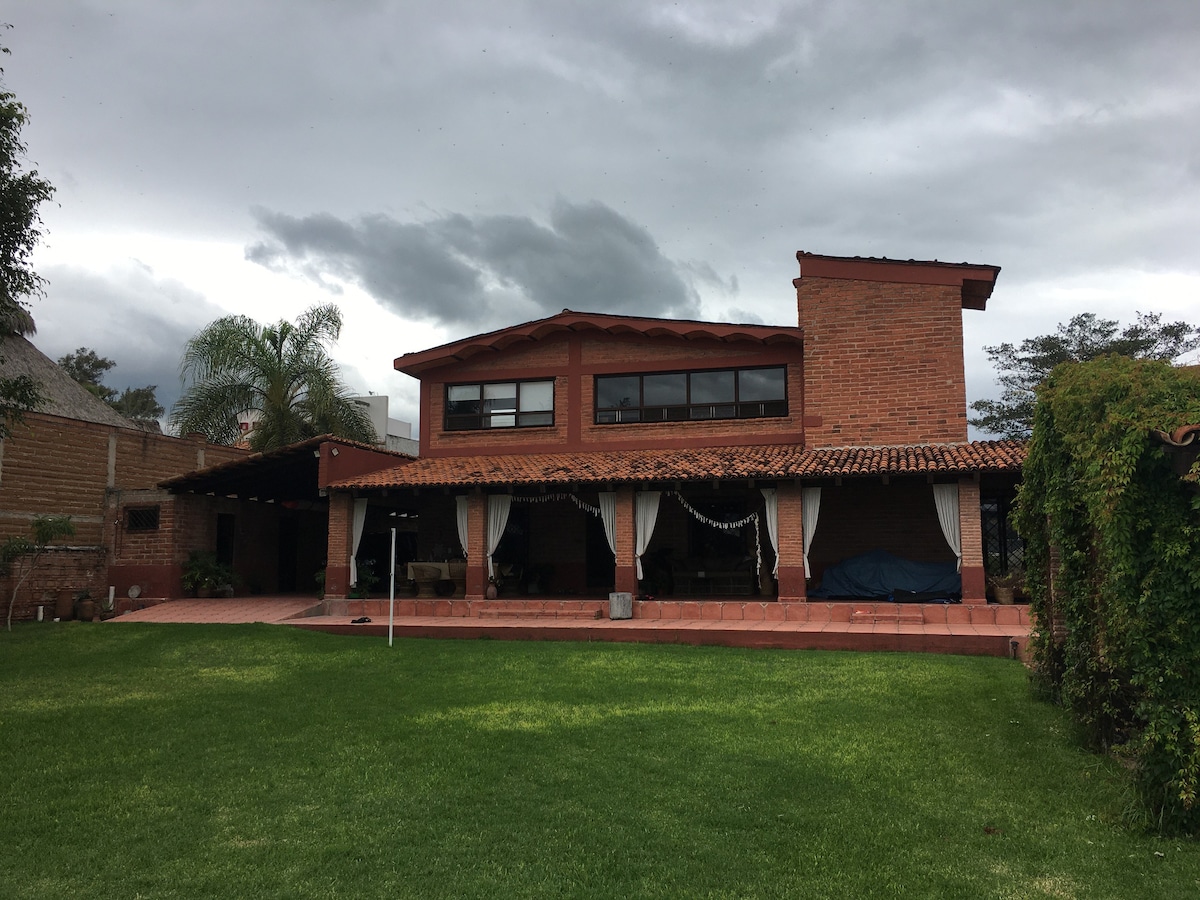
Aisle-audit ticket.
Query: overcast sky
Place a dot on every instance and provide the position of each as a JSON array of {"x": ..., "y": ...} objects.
[{"x": 444, "y": 168}]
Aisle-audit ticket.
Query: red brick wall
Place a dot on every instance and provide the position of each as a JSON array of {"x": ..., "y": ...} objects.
[
  {"x": 56, "y": 466},
  {"x": 573, "y": 361},
  {"x": 790, "y": 517},
  {"x": 883, "y": 362},
  {"x": 337, "y": 572}
]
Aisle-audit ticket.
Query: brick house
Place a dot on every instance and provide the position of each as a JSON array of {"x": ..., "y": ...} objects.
[
  {"x": 584, "y": 452},
  {"x": 76, "y": 456}
]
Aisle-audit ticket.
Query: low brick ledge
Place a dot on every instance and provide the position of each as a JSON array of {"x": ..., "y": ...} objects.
[
  {"x": 491, "y": 613},
  {"x": 817, "y": 611}
]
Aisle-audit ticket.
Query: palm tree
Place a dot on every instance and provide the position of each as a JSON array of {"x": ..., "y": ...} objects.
[{"x": 280, "y": 372}]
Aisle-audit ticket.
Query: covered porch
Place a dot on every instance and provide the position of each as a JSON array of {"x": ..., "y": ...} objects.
[{"x": 743, "y": 525}]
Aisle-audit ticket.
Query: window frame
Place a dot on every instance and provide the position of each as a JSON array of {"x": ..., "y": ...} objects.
[
  {"x": 734, "y": 409},
  {"x": 483, "y": 421},
  {"x": 143, "y": 513}
]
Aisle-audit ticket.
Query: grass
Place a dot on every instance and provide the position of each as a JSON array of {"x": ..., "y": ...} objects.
[{"x": 262, "y": 761}]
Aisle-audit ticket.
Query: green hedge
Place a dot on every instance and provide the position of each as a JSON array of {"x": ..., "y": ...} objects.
[{"x": 1113, "y": 553}]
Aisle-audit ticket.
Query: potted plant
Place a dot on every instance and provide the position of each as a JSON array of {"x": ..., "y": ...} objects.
[
  {"x": 204, "y": 576},
  {"x": 1005, "y": 585},
  {"x": 85, "y": 606}
]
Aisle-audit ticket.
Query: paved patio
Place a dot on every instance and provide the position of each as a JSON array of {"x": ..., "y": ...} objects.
[
  {"x": 976, "y": 631},
  {"x": 233, "y": 611}
]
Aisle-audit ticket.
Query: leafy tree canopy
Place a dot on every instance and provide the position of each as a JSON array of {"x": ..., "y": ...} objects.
[
  {"x": 21, "y": 193},
  {"x": 88, "y": 368},
  {"x": 280, "y": 374},
  {"x": 1022, "y": 368},
  {"x": 139, "y": 404}
]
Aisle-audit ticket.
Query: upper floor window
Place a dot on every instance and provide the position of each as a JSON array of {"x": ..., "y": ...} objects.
[
  {"x": 508, "y": 404},
  {"x": 678, "y": 396}
]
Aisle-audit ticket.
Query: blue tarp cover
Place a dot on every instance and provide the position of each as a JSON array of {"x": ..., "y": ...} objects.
[{"x": 879, "y": 573}]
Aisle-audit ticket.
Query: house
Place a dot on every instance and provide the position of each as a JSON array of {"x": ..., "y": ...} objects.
[
  {"x": 585, "y": 453},
  {"x": 76, "y": 456}
]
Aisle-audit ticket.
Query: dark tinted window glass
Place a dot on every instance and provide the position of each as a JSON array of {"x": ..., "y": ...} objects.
[
  {"x": 618, "y": 392},
  {"x": 665, "y": 390},
  {"x": 761, "y": 384},
  {"x": 712, "y": 387}
]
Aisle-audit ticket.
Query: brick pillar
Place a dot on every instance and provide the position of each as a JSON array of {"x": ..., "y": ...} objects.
[
  {"x": 477, "y": 570},
  {"x": 974, "y": 585},
  {"x": 341, "y": 523},
  {"x": 791, "y": 543},
  {"x": 626, "y": 566}
]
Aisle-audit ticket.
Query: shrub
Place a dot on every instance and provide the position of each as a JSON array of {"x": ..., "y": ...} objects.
[{"x": 1113, "y": 569}]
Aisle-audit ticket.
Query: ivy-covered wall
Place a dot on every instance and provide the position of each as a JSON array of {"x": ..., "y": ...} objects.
[{"x": 1113, "y": 566}]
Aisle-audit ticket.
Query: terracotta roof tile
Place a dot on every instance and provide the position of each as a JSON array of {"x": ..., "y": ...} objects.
[{"x": 764, "y": 461}]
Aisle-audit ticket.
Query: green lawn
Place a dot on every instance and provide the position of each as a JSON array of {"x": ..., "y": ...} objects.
[{"x": 264, "y": 761}]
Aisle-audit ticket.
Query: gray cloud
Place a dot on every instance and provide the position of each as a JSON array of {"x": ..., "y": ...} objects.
[
  {"x": 460, "y": 269},
  {"x": 1057, "y": 140},
  {"x": 130, "y": 315}
]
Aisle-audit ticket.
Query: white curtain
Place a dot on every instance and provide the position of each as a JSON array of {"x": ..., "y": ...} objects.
[
  {"x": 460, "y": 512},
  {"x": 945, "y": 497},
  {"x": 772, "y": 523},
  {"x": 810, "y": 498},
  {"x": 608, "y": 515},
  {"x": 498, "y": 507},
  {"x": 357, "y": 523},
  {"x": 645, "y": 514}
]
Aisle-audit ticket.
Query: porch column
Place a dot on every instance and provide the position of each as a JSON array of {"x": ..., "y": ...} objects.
[
  {"x": 974, "y": 586},
  {"x": 626, "y": 567},
  {"x": 477, "y": 573},
  {"x": 337, "y": 550},
  {"x": 791, "y": 542}
]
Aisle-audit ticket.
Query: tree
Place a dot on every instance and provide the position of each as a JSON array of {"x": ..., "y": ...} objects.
[
  {"x": 1085, "y": 337},
  {"x": 21, "y": 193},
  {"x": 281, "y": 374},
  {"x": 87, "y": 368},
  {"x": 46, "y": 530},
  {"x": 139, "y": 404}
]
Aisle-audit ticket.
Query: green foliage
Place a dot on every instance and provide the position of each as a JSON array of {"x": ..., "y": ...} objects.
[
  {"x": 281, "y": 372},
  {"x": 87, "y": 367},
  {"x": 45, "y": 530},
  {"x": 203, "y": 571},
  {"x": 21, "y": 193},
  {"x": 18, "y": 395},
  {"x": 1021, "y": 369},
  {"x": 1112, "y": 540},
  {"x": 139, "y": 404}
]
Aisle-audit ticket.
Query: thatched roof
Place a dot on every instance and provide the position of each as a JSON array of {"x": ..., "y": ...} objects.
[{"x": 64, "y": 396}]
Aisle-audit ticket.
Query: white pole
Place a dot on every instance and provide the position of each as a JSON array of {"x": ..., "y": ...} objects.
[{"x": 392, "y": 592}]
